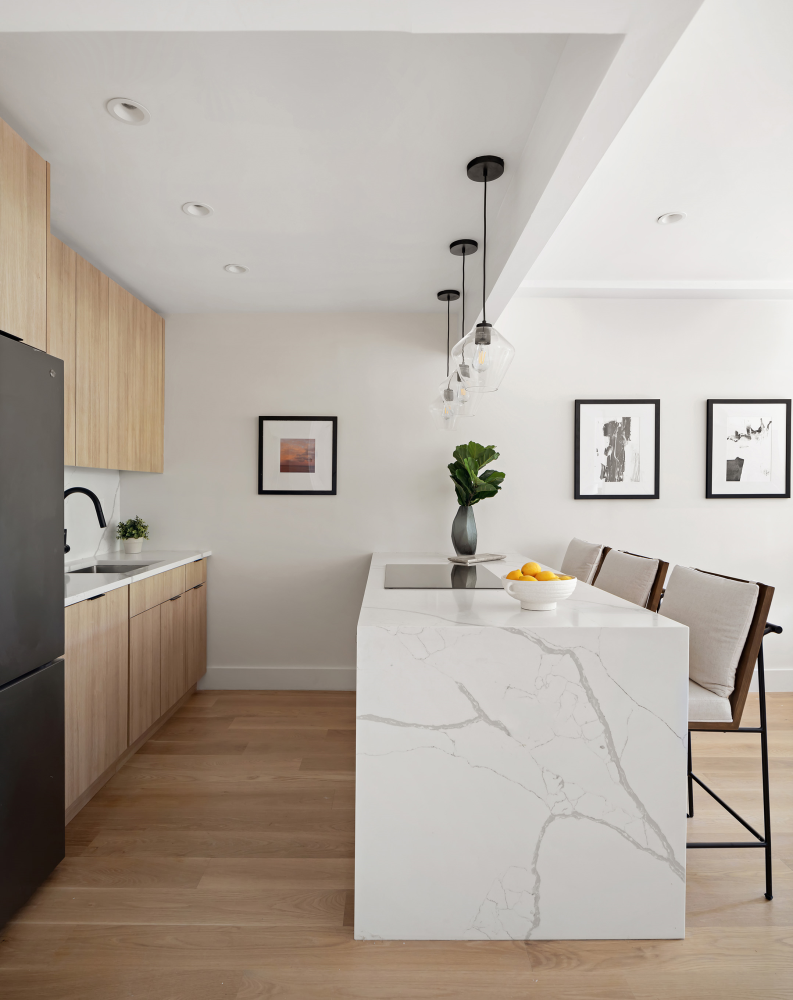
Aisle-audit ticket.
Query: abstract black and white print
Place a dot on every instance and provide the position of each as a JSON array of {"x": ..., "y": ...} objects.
[
  {"x": 749, "y": 456},
  {"x": 620, "y": 458},
  {"x": 616, "y": 448},
  {"x": 748, "y": 448}
]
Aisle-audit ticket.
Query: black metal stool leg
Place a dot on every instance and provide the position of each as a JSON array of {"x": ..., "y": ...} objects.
[
  {"x": 766, "y": 791},
  {"x": 690, "y": 781}
]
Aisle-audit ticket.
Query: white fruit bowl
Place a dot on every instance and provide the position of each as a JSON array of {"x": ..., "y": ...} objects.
[{"x": 539, "y": 595}]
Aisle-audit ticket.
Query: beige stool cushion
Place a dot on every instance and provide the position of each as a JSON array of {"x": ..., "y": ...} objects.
[
  {"x": 718, "y": 613},
  {"x": 705, "y": 706},
  {"x": 628, "y": 577},
  {"x": 581, "y": 559}
]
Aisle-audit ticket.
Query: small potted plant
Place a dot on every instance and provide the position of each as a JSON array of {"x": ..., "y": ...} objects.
[
  {"x": 471, "y": 486},
  {"x": 132, "y": 533}
]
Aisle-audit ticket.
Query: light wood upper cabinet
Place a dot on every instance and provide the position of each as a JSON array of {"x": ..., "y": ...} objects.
[
  {"x": 24, "y": 223},
  {"x": 61, "y": 264},
  {"x": 136, "y": 384},
  {"x": 91, "y": 361},
  {"x": 144, "y": 672},
  {"x": 96, "y": 683}
]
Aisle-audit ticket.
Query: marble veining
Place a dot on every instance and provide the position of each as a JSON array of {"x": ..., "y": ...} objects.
[{"x": 569, "y": 778}]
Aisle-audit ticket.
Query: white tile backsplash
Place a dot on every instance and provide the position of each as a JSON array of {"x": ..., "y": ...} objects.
[{"x": 85, "y": 536}]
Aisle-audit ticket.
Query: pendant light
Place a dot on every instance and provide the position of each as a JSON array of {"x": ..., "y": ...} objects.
[
  {"x": 468, "y": 401},
  {"x": 484, "y": 352},
  {"x": 445, "y": 407}
]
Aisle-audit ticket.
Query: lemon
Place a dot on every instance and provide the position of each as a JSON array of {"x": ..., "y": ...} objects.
[
  {"x": 546, "y": 574},
  {"x": 515, "y": 575},
  {"x": 533, "y": 579},
  {"x": 531, "y": 569}
]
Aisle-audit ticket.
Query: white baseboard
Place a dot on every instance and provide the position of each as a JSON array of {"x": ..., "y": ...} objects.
[
  {"x": 278, "y": 679},
  {"x": 776, "y": 679}
]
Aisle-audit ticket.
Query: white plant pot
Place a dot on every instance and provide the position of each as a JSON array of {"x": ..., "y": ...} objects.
[{"x": 132, "y": 545}]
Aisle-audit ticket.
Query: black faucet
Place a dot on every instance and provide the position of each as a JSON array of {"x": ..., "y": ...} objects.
[{"x": 97, "y": 506}]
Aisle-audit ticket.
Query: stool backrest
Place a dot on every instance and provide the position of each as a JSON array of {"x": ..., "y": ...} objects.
[
  {"x": 726, "y": 619},
  {"x": 582, "y": 559},
  {"x": 635, "y": 578}
]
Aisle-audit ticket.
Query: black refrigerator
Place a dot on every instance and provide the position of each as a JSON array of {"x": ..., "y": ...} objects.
[{"x": 32, "y": 838}]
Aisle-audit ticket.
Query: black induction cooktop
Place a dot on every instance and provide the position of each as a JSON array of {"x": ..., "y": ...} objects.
[{"x": 427, "y": 576}]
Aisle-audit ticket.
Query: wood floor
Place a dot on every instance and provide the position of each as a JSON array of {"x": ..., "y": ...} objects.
[{"x": 218, "y": 865}]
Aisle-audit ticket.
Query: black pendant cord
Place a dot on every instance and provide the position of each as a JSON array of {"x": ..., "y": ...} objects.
[
  {"x": 462, "y": 325},
  {"x": 484, "y": 251},
  {"x": 448, "y": 321}
]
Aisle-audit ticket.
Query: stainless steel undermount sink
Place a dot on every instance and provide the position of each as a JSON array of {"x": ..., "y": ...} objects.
[{"x": 111, "y": 568}]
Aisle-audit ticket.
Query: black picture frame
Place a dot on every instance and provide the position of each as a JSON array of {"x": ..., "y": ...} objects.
[
  {"x": 709, "y": 493},
  {"x": 655, "y": 495},
  {"x": 331, "y": 492}
]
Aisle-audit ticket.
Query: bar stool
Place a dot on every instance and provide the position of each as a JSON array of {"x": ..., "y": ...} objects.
[
  {"x": 582, "y": 559},
  {"x": 638, "y": 579},
  {"x": 727, "y": 619}
]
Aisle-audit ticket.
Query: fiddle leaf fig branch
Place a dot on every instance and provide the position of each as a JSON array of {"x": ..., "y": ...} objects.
[{"x": 470, "y": 486}]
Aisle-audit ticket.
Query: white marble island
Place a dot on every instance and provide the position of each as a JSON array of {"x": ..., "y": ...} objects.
[{"x": 520, "y": 775}]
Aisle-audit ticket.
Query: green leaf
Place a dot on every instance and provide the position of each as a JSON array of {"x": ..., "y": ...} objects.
[{"x": 464, "y": 471}]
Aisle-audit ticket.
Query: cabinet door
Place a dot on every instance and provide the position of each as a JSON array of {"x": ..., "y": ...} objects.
[
  {"x": 96, "y": 683},
  {"x": 144, "y": 672},
  {"x": 136, "y": 384},
  {"x": 23, "y": 240},
  {"x": 195, "y": 573},
  {"x": 172, "y": 652},
  {"x": 61, "y": 263},
  {"x": 195, "y": 613},
  {"x": 91, "y": 361},
  {"x": 154, "y": 590}
]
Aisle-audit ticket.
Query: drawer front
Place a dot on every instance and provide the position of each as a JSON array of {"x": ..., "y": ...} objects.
[
  {"x": 146, "y": 594},
  {"x": 195, "y": 573}
]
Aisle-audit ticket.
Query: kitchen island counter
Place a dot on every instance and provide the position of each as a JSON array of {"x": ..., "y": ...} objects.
[{"x": 520, "y": 775}]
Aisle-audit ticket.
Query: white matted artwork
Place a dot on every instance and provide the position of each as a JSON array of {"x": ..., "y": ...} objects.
[
  {"x": 617, "y": 449},
  {"x": 297, "y": 455},
  {"x": 748, "y": 448}
]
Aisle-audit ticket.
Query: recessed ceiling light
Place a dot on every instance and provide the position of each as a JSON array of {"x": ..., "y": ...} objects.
[
  {"x": 196, "y": 209},
  {"x": 235, "y": 268},
  {"x": 130, "y": 112},
  {"x": 669, "y": 217}
]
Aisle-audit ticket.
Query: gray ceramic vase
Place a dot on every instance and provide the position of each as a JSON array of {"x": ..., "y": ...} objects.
[{"x": 464, "y": 532}]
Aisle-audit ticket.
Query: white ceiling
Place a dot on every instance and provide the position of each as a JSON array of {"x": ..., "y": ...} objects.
[
  {"x": 334, "y": 159},
  {"x": 712, "y": 137}
]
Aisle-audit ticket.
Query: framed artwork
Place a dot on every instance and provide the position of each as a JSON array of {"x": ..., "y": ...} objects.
[
  {"x": 748, "y": 448},
  {"x": 617, "y": 449},
  {"x": 297, "y": 455}
]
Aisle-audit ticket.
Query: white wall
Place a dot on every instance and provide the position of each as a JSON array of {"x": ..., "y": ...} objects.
[
  {"x": 288, "y": 572},
  {"x": 85, "y": 536}
]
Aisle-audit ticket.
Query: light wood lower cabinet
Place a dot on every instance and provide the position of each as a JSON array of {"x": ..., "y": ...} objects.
[
  {"x": 195, "y": 618},
  {"x": 125, "y": 671},
  {"x": 144, "y": 672},
  {"x": 173, "y": 681},
  {"x": 96, "y": 675}
]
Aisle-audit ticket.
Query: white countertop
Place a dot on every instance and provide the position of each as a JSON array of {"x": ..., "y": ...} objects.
[
  {"x": 588, "y": 606},
  {"x": 80, "y": 586}
]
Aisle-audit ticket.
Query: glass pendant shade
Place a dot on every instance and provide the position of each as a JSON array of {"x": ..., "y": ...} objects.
[
  {"x": 459, "y": 382},
  {"x": 444, "y": 409},
  {"x": 487, "y": 354}
]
